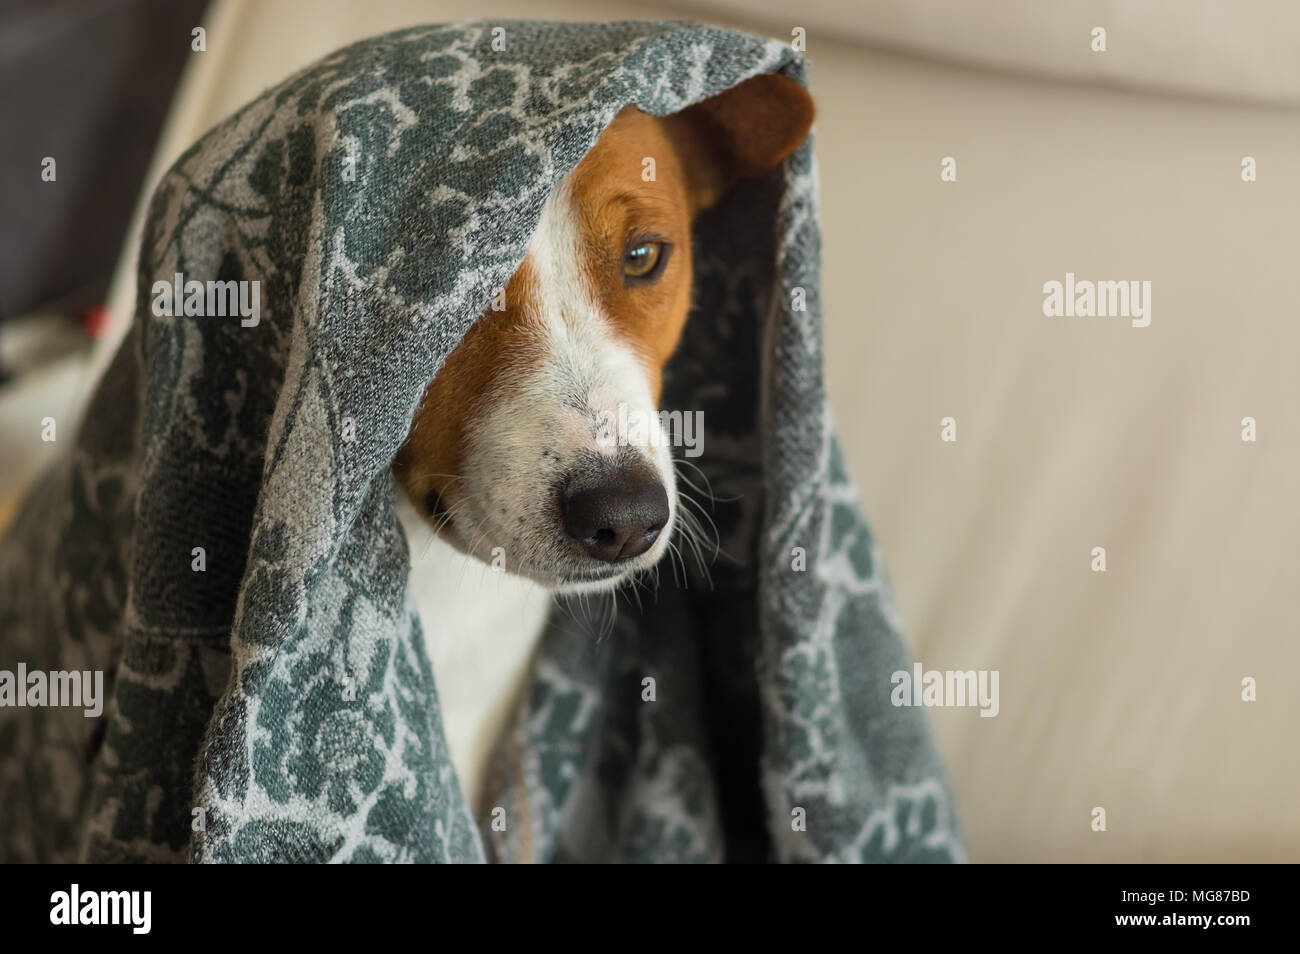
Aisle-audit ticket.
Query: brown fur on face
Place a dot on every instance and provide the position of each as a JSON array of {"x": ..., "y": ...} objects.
[{"x": 698, "y": 154}]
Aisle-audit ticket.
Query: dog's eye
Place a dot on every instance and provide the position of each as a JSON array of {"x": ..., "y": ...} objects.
[{"x": 643, "y": 259}]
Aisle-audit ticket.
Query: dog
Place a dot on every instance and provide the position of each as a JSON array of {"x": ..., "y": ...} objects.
[{"x": 509, "y": 465}]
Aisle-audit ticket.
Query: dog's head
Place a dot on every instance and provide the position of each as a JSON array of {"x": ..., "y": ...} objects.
[{"x": 521, "y": 442}]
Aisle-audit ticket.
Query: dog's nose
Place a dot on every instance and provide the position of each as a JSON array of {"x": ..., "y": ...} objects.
[{"x": 618, "y": 518}]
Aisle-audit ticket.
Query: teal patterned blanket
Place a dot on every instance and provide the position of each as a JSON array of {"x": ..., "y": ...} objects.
[{"x": 221, "y": 541}]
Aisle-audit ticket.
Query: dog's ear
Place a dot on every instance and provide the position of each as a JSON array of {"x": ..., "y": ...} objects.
[{"x": 742, "y": 133}]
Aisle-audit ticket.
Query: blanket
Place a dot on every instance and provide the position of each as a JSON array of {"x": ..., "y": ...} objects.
[{"x": 220, "y": 542}]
